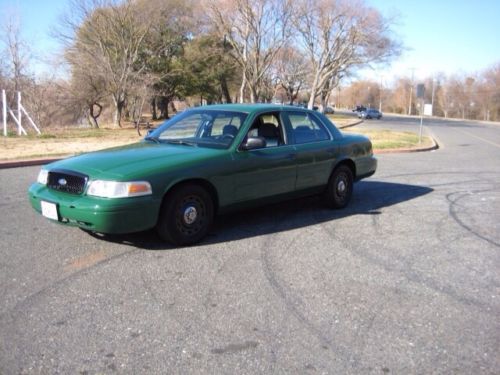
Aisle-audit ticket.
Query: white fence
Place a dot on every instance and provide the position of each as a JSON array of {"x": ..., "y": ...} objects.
[{"x": 6, "y": 111}]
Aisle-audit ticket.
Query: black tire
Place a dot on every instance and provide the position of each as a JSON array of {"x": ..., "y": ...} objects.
[
  {"x": 186, "y": 215},
  {"x": 339, "y": 189}
]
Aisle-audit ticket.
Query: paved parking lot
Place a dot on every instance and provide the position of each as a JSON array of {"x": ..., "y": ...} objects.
[{"x": 405, "y": 280}]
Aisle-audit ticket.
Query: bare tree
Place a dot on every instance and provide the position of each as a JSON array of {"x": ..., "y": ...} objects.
[
  {"x": 489, "y": 93},
  {"x": 291, "y": 71},
  {"x": 256, "y": 31},
  {"x": 106, "y": 37},
  {"x": 86, "y": 93},
  {"x": 341, "y": 35},
  {"x": 17, "y": 52}
]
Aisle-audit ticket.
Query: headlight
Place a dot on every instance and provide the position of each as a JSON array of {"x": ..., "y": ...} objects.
[
  {"x": 43, "y": 176},
  {"x": 116, "y": 189}
]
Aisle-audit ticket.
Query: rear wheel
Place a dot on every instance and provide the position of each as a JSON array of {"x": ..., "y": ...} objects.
[
  {"x": 186, "y": 215},
  {"x": 339, "y": 190}
]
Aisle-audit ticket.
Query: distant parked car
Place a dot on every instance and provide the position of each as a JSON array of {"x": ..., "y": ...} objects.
[
  {"x": 370, "y": 113},
  {"x": 329, "y": 111},
  {"x": 359, "y": 108}
]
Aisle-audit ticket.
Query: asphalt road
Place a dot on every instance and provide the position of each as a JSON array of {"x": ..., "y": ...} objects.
[{"x": 405, "y": 280}]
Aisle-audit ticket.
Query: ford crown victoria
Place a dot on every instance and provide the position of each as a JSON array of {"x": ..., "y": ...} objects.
[{"x": 205, "y": 161}]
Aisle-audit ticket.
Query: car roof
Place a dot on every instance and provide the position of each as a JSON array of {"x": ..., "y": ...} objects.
[{"x": 248, "y": 108}]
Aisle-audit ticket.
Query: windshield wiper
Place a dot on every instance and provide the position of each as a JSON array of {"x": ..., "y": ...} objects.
[
  {"x": 180, "y": 142},
  {"x": 154, "y": 139}
]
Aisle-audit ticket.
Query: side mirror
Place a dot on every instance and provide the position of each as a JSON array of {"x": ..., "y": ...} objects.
[{"x": 253, "y": 143}]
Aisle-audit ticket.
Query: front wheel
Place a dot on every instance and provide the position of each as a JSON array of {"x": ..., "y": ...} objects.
[
  {"x": 339, "y": 189},
  {"x": 186, "y": 215}
]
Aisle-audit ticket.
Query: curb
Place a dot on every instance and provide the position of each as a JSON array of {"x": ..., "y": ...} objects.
[
  {"x": 26, "y": 163},
  {"x": 434, "y": 146},
  {"x": 349, "y": 125}
]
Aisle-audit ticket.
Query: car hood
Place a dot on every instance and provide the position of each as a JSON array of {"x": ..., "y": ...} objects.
[{"x": 134, "y": 160}]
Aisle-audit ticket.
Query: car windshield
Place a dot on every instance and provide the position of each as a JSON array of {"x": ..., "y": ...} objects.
[{"x": 203, "y": 127}]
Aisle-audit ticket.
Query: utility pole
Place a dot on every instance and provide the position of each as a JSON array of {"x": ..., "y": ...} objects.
[
  {"x": 338, "y": 96},
  {"x": 411, "y": 89},
  {"x": 432, "y": 96},
  {"x": 380, "y": 95}
]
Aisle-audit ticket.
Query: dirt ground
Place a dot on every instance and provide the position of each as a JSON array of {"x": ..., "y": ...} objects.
[{"x": 62, "y": 143}]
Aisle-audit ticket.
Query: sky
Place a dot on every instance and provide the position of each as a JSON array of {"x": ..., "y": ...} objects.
[
  {"x": 454, "y": 37},
  {"x": 460, "y": 36}
]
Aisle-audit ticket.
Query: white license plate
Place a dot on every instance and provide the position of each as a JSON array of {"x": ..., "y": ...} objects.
[{"x": 49, "y": 210}]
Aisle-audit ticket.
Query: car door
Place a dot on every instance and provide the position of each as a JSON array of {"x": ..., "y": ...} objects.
[
  {"x": 268, "y": 171},
  {"x": 316, "y": 149}
]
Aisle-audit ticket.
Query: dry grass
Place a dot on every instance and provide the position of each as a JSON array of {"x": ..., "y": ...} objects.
[
  {"x": 387, "y": 139},
  {"x": 64, "y": 141},
  {"x": 342, "y": 120}
]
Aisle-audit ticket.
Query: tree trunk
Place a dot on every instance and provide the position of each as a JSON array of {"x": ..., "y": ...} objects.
[
  {"x": 162, "y": 102},
  {"x": 253, "y": 94},
  {"x": 225, "y": 90},
  {"x": 242, "y": 87},
  {"x": 310, "y": 105},
  {"x": 172, "y": 107},
  {"x": 117, "y": 118},
  {"x": 314, "y": 92},
  {"x": 93, "y": 115},
  {"x": 323, "y": 103},
  {"x": 91, "y": 121},
  {"x": 154, "y": 115},
  {"x": 165, "y": 109}
]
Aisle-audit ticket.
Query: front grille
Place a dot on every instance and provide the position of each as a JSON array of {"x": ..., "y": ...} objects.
[{"x": 67, "y": 181}]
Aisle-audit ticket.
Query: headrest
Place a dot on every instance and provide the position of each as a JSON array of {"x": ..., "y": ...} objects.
[
  {"x": 230, "y": 129},
  {"x": 268, "y": 129}
]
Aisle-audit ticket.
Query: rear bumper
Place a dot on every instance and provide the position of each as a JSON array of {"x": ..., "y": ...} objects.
[
  {"x": 124, "y": 215},
  {"x": 366, "y": 167}
]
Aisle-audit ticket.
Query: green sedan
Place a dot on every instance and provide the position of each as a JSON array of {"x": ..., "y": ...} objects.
[{"x": 205, "y": 161}]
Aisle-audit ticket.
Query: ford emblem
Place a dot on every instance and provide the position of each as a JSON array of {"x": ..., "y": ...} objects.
[{"x": 62, "y": 182}]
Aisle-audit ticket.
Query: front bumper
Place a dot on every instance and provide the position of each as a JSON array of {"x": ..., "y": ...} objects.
[{"x": 104, "y": 215}]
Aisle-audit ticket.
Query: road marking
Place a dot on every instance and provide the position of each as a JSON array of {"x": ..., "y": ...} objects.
[{"x": 478, "y": 137}]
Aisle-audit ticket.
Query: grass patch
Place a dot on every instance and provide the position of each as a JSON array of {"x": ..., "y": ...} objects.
[
  {"x": 335, "y": 117},
  {"x": 46, "y": 136},
  {"x": 387, "y": 139}
]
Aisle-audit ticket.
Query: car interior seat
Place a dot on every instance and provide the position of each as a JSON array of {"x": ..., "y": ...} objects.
[
  {"x": 270, "y": 132},
  {"x": 304, "y": 134},
  {"x": 230, "y": 130}
]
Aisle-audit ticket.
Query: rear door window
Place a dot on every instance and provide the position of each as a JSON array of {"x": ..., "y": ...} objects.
[{"x": 306, "y": 128}]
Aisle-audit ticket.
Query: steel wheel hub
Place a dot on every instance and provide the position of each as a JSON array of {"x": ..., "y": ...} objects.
[
  {"x": 341, "y": 186},
  {"x": 190, "y": 215}
]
